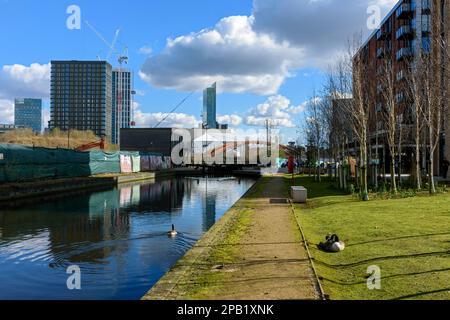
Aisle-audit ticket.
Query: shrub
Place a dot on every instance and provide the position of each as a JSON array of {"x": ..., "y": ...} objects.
[
  {"x": 54, "y": 139},
  {"x": 351, "y": 189}
]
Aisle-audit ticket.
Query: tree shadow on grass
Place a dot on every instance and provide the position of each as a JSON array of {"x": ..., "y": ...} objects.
[
  {"x": 252, "y": 279},
  {"x": 400, "y": 275},
  {"x": 246, "y": 244},
  {"x": 398, "y": 257},
  {"x": 398, "y": 238},
  {"x": 203, "y": 265},
  {"x": 421, "y": 294}
]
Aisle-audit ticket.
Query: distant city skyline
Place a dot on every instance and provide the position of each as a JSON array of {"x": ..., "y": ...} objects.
[
  {"x": 28, "y": 113},
  {"x": 210, "y": 107},
  {"x": 264, "y": 67}
]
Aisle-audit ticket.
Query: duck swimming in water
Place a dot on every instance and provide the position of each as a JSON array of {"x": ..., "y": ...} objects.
[{"x": 173, "y": 233}]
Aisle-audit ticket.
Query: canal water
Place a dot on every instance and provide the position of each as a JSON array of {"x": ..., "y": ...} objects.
[{"x": 118, "y": 237}]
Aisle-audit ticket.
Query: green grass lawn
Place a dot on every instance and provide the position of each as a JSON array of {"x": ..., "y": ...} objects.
[{"x": 409, "y": 239}]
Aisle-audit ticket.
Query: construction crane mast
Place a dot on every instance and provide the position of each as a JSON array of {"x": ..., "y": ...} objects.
[{"x": 122, "y": 58}]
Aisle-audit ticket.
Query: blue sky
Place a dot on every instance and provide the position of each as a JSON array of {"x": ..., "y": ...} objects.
[{"x": 267, "y": 55}]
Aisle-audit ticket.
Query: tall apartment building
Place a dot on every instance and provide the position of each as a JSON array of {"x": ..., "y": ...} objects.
[
  {"x": 81, "y": 97},
  {"x": 210, "y": 107},
  {"x": 122, "y": 84},
  {"x": 404, "y": 32},
  {"x": 28, "y": 113}
]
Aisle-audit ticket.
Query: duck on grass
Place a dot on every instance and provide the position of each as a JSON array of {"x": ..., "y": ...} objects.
[{"x": 332, "y": 244}]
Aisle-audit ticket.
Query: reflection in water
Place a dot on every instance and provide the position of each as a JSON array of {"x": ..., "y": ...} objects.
[{"x": 117, "y": 237}]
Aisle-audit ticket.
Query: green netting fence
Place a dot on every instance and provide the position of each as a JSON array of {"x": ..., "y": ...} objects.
[{"x": 21, "y": 163}]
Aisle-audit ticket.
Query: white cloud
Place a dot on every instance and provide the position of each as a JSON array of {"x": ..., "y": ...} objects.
[
  {"x": 274, "y": 107},
  {"x": 232, "y": 119},
  {"x": 45, "y": 117},
  {"x": 25, "y": 81},
  {"x": 277, "y": 109},
  {"x": 303, "y": 106},
  {"x": 175, "y": 120},
  {"x": 231, "y": 53},
  {"x": 140, "y": 93},
  {"x": 320, "y": 27},
  {"x": 261, "y": 122},
  {"x": 257, "y": 53},
  {"x": 145, "y": 50},
  {"x": 136, "y": 106},
  {"x": 6, "y": 111},
  {"x": 298, "y": 109}
]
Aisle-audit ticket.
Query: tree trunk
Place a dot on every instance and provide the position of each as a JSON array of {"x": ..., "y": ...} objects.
[
  {"x": 318, "y": 165},
  {"x": 344, "y": 176},
  {"x": 335, "y": 169},
  {"x": 365, "y": 194},
  {"x": 384, "y": 164},
  {"x": 376, "y": 174},
  {"x": 431, "y": 170},
  {"x": 418, "y": 171},
  {"x": 393, "y": 178},
  {"x": 364, "y": 153},
  {"x": 400, "y": 138}
]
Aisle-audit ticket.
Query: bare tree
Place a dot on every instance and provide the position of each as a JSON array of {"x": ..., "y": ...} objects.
[
  {"x": 311, "y": 153},
  {"x": 335, "y": 96},
  {"x": 326, "y": 116},
  {"x": 414, "y": 80},
  {"x": 432, "y": 117},
  {"x": 389, "y": 112},
  {"x": 349, "y": 115},
  {"x": 435, "y": 85},
  {"x": 358, "y": 111},
  {"x": 315, "y": 126}
]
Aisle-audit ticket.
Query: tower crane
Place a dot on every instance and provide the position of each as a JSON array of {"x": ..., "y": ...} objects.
[{"x": 122, "y": 58}]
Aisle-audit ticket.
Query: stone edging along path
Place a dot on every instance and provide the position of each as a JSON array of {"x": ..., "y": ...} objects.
[{"x": 254, "y": 252}]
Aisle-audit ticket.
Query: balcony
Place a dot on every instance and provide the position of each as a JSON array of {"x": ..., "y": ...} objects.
[
  {"x": 404, "y": 53},
  {"x": 404, "y": 32},
  {"x": 426, "y": 29},
  {"x": 400, "y": 97},
  {"x": 379, "y": 107},
  {"x": 381, "y": 34},
  {"x": 401, "y": 75},
  {"x": 426, "y": 7},
  {"x": 405, "y": 10},
  {"x": 381, "y": 52},
  {"x": 379, "y": 88}
]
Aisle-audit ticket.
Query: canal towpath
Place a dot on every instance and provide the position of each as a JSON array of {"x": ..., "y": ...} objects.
[{"x": 255, "y": 252}]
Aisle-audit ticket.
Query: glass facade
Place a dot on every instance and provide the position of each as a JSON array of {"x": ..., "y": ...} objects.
[
  {"x": 210, "y": 107},
  {"x": 122, "y": 83},
  {"x": 28, "y": 114},
  {"x": 81, "y": 97}
]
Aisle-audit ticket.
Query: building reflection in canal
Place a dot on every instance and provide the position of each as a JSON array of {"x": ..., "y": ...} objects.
[{"x": 117, "y": 237}]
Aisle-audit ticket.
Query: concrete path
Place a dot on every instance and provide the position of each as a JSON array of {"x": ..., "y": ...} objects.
[{"x": 254, "y": 253}]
